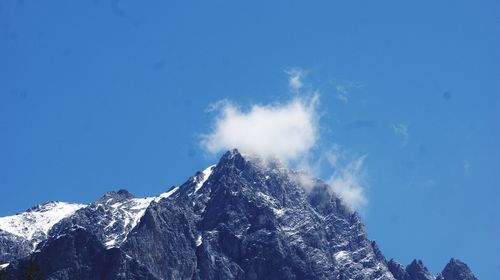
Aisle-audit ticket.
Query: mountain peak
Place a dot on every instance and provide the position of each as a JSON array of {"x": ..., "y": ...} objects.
[
  {"x": 232, "y": 158},
  {"x": 398, "y": 270},
  {"x": 44, "y": 206},
  {"x": 418, "y": 271},
  {"x": 124, "y": 193},
  {"x": 457, "y": 270},
  {"x": 31, "y": 227},
  {"x": 115, "y": 196}
]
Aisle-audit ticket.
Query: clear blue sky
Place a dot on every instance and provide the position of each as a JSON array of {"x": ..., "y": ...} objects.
[{"x": 100, "y": 95}]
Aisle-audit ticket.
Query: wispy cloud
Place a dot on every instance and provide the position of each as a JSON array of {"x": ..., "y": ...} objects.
[
  {"x": 344, "y": 173},
  {"x": 295, "y": 76},
  {"x": 343, "y": 94},
  {"x": 348, "y": 183},
  {"x": 344, "y": 89},
  {"x": 401, "y": 131}
]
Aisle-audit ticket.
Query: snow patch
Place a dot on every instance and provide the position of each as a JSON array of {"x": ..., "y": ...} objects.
[
  {"x": 2, "y": 266},
  {"x": 273, "y": 204},
  {"x": 199, "y": 240},
  {"x": 166, "y": 194},
  {"x": 127, "y": 214},
  {"x": 36, "y": 222},
  {"x": 350, "y": 261},
  {"x": 267, "y": 198},
  {"x": 341, "y": 255},
  {"x": 110, "y": 243},
  {"x": 279, "y": 212},
  {"x": 206, "y": 173}
]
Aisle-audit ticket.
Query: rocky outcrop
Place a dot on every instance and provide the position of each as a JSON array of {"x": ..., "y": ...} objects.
[
  {"x": 13, "y": 247},
  {"x": 457, "y": 270},
  {"x": 77, "y": 254}
]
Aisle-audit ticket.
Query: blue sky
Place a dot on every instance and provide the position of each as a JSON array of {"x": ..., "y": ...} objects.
[{"x": 101, "y": 95}]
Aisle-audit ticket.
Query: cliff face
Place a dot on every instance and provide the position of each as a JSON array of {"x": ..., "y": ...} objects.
[{"x": 236, "y": 220}]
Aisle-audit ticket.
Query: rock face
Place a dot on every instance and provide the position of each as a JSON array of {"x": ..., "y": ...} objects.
[
  {"x": 398, "y": 271},
  {"x": 20, "y": 233},
  {"x": 250, "y": 222},
  {"x": 240, "y": 219},
  {"x": 13, "y": 247},
  {"x": 417, "y": 271},
  {"x": 110, "y": 219},
  {"x": 457, "y": 270},
  {"x": 78, "y": 254}
]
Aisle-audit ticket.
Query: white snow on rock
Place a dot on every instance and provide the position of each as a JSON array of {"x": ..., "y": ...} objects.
[
  {"x": 205, "y": 174},
  {"x": 348, "y": 261},
  {"x": 166, "y": 194},
  {"x": 125, "y": 215},
  {"x": 199, "y": 240},
  {"x": 341, "y": 255},
  {"x": 2, "y": 266},
  {"x": 121, "y": 215},
  {"x": 35, "y": 223}
]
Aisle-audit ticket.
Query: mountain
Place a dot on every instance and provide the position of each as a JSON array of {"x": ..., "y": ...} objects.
[
  {"x": 19, "y": 234},
  {"x": 239, "y": 219},
  {"x": 457, "y": 270},
  {"x": 454, "y": 270},
  {"x": 110, "y": 219}
]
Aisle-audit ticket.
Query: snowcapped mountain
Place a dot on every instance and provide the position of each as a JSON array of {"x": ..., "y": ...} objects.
[
  {"x": 35, "y": 223},
  {"x": 20, "y": 233},
  {"x": 111, "y": 218},
  {"x": 239, "y": 219}
]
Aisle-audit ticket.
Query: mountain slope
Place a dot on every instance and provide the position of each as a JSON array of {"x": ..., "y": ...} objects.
[
  {"x": 240, "y": 219},
  {"x": 20, "y": 233},
  {"x": 78, "y": 254},
  {"x": 111, "y": 218}
]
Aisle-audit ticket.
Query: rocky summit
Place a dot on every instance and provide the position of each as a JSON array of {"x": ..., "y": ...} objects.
[{"x": 239, "y": 219}]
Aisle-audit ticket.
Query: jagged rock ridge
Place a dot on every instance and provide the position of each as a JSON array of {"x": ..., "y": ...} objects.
[
  {"x": 240, "y": 219},
  {"x": 20, "y": 233}
]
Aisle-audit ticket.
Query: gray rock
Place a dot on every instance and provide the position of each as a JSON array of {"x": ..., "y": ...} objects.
[
  {"x": 13, "y": 247},
  {"x": 457, "y": 270}
]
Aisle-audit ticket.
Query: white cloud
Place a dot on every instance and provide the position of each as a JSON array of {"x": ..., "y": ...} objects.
[
  {"x": 283, "y": 131},
  {"x": 347, "y": 183},
  {"x": 295, "y": 76},
  {"x": 401, "y": 131},
  {"x": 304, "y": 180},
  {"x": 347, "y": 180},
  {"x": 288, "y": 132}
]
